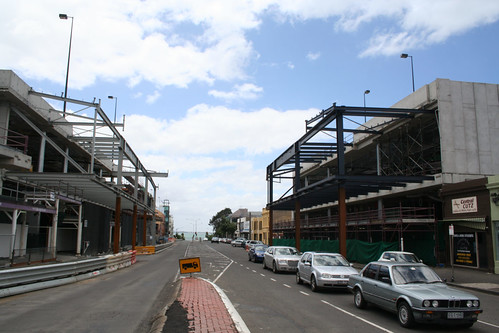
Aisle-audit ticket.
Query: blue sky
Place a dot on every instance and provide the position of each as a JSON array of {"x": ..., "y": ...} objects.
[{"x": 214, "y": 91}]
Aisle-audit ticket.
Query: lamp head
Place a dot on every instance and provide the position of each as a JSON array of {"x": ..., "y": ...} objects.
[
  {"x": 404, "y": 55},
  {"x": 367, "y": 91},
  {"x": 63, "y": 16}
]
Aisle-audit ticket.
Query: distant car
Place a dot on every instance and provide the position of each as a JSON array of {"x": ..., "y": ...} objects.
[
  {"x": 399, "y": 256},
  {"x": 413, "y": 291},
  {"x": 281, "y": 258},
  {"x": 324, "y": 270},
  {"x": 248, "y": 244},
  {"x": 215, "y": 240},
  {"x": 257, "y": 252},
  {"x": 238, "y": 242}
]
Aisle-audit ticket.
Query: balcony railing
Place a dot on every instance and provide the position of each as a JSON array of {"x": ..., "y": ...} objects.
[
  {"x": 14, "y": 140},
  {"x": 372, "y": 217}
]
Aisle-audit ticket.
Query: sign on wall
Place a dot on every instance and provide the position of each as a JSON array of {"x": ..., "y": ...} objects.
[
  {"x": 465, "y": 249},
  {"x": 464, "y": 205}
]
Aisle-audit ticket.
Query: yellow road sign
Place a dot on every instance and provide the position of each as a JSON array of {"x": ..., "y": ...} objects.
[{"x": 189, "y": 265}]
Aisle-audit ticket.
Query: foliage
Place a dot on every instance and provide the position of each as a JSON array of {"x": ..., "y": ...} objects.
[{"x": 221, "y": 223}]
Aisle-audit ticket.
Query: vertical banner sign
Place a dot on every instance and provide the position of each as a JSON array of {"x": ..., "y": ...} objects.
[{"x": 465, "y": 249}]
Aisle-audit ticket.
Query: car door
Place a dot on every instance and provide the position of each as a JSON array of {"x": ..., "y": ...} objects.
[
  {"x": 267, "y": 258},
  {"x": 305, "y": 267},
  {"x": 384, "y": 289},
  {"x": 369, "y": 284}
]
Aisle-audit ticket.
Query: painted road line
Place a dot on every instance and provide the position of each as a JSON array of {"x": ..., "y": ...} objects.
[
  {"x": 262, "y": 274},
  {"x": 273, "y": 279},
  {"x": 355, "y": 316},
  {"x": 285, "y": 285},
  {"x": 304, "y": 293},
  {"x": 253, "y": 271},
  {"x": 485, "y": 323}
]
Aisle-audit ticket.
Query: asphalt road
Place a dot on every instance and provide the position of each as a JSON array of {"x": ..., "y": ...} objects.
[
  {"x": 270, "y": 302},
  {"x": 122, "y": 301},
  {"x": 128, "y": 300}
]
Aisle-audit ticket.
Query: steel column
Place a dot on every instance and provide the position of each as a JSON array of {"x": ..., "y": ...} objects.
[
  {"x": 79, "y": 234},
  {"x": 297, "y": 224},
  {"x": 134, "y": 226},
  {"x": 117, "y": 220}
]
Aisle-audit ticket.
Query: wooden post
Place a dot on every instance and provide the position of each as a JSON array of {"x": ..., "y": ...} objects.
[
  {"x": 297, "y": 224},
  {"x": 134, "y": 226},
  {"x": 117, "y": 218},
  {"x": 342, "y": 207},
  {"x": 144, "y": 236}
]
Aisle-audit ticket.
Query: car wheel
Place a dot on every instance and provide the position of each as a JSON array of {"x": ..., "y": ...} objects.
[
  {"x": 298, "y": 278},
  {"x": 406, "y": 318},
  {"x": 358, "y": 299},
  {"x": 313, "y": 284},
  {"x": 274, "y": 267}
]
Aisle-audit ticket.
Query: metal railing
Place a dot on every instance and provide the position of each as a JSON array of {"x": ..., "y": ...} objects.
[
  {"x": 371, "y": 217},
  {"x": 14, "y": 139}
]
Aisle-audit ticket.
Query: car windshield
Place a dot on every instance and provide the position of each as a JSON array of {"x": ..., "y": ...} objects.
[
  {"x": 403, "y": 257},
  {"x": 260, "y": 248},
  {"x": 414, "y": 274},
  {"x": 329, "y": 260},
  {"x": 286, "y": 251}
]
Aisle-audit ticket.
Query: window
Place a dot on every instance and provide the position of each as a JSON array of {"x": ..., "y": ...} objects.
[
  {"x": 370, "y": 271},
  {"x": 383, "y": 273}
]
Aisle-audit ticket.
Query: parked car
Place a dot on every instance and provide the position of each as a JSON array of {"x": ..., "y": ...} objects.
[
  {"x": 215, "y": 240},
  {"x": 324, "y": 270},
  {"x": 256, "y": 252},
  {"x": 281, "y": 258},
  {"x": 238, "y": 242},
  {"x": 248, "y": 244},
  {"x": 399, "y": 256},
  {"x": 413, "y": 291}
]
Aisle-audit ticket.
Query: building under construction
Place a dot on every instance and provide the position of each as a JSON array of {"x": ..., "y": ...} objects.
[
  {"x": 385, "y": 179},
  {"x": 70, "y": 182}
]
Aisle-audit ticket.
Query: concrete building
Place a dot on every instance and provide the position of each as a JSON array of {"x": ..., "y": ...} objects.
[
  {"x": 69, "y": 180},
  {"x": 387, "y": 180}
]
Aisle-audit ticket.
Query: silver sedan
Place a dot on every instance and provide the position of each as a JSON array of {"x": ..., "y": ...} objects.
[{"x": 281, "y": 258}]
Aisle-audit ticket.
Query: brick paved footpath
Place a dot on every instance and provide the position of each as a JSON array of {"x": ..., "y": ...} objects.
[{"x": 206, "y": 312}]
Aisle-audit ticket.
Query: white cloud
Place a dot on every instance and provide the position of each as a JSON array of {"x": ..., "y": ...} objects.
[
  {"x": 312, "y": 56},
  {"x": 150, "y": 99},
  {"x": 244, "y": 91}
]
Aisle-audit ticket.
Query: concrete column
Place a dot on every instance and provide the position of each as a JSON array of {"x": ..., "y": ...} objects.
[
  {"x": 13, "y": 233},
  {"x": 53, "y": 243},
  {"x": 41, "y": 154},
  {"x": 4, "y": 122},
  {"x": 79, "y": 235}
]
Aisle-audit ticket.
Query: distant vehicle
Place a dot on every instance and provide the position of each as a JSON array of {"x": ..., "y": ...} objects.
[
  {"x": 413, "y": 291},
  {"x": 324, "y": 270},
  {"x": 238, "y": 242},
  {"x": 215, "y": 240},
  {"x": 257, "y": 252},
  {"x": 281, "y": 258},
  {"x": 250, "y": 243},
  {"x": 399, "y": 256}
]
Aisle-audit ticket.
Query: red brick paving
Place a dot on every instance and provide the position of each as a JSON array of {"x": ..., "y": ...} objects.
[{"x": 206, "y": 311}]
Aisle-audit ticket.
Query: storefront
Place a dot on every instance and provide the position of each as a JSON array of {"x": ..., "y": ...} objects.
[
  {"x": 467, "y": 217},
  {"x": 493, "y": 187}
]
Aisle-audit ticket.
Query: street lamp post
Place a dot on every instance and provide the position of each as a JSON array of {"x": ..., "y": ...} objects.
[
  {"x": 365, "y": 93},
  {"x": 115, "y": 106},
  {"x": 404, "y": 56},
  {"x": 65, "y": 17}
]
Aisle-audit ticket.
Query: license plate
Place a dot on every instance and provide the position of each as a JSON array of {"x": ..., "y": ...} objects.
[
  {"x": 342, "y": 282},
  {"x": 455, "y": 315}
]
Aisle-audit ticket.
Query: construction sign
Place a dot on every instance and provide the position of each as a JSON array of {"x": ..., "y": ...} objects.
[{"x": 189, "y": 265}]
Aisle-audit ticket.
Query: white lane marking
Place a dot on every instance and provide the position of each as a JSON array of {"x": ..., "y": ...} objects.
[
  {"x": 485, "y": 323},
  {"x": 253, "y": 271},
  {"x": 273, "y": 279},
  {"x": 241, "y": 265},
  {"x": 355, "y": 316},
  {"x": 285, "y": 285},
  {"x": 262, "y": 274},
  {"x": 247, "y": 267},
  {"x": 304, "y": 293}
]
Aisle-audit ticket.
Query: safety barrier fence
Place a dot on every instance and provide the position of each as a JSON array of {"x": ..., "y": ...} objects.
[{"x": 20, "y": 280}]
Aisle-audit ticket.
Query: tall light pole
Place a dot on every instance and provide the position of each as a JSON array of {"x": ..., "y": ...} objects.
[
  {"x": 65, "y": 17},
  {"x": 115, "y": 105},
  {"x": 404, "y": 56},
  {"x": 365, "y": 93}
]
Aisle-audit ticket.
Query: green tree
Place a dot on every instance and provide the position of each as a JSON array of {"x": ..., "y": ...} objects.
[{"x": 222, "y": 224}]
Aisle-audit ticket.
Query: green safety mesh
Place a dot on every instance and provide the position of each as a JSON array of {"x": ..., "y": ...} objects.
[{"x": 364, "y": 252}]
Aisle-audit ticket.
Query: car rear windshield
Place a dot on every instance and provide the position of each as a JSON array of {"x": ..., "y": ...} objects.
[{"x": 286, "y": 252}]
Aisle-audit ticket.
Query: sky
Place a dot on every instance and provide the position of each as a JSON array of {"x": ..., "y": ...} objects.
[{"x": 213, "y": 91}]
